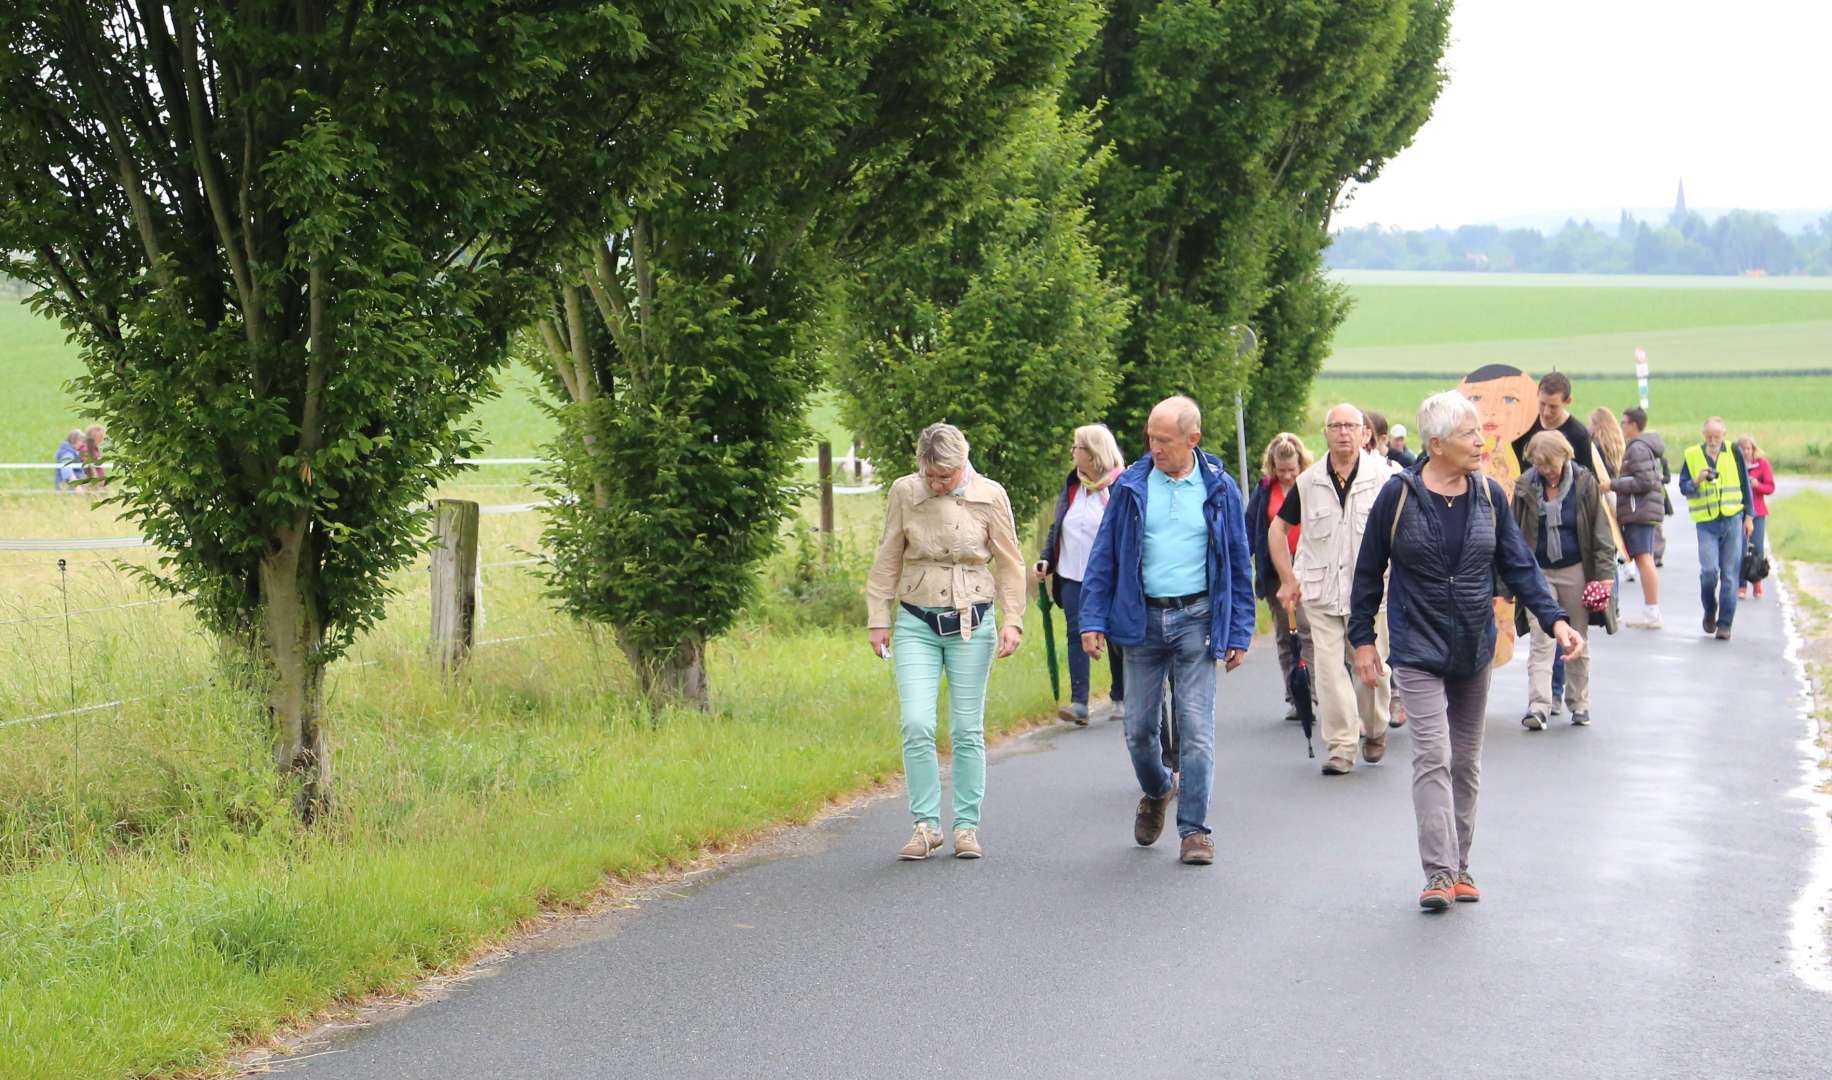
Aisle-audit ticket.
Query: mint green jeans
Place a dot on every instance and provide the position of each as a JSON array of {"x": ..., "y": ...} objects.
[{"x": 921, "y": 656}]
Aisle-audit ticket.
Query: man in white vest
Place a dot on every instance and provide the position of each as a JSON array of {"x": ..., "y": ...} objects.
[{"x": 1329, "y": 507}]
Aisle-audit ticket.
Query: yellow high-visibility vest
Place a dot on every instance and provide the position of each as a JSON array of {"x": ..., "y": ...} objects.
[{"x": 1722, "y": 496}]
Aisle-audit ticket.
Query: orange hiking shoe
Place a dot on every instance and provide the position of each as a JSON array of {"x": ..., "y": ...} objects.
[
  {"x": 1464, "y": 889},
  {"x": 1436, "y": 896}
]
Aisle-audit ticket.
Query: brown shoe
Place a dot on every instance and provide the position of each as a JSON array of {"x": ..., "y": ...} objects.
[
  {"x": 1372, "y": 750},
  {"x": 1337, "y": 765},
  {"x": 967, "y": 844},
  {"x": 925, "y": 839},
  {"x": 1198, "y": 849},
  {"x": 1148, "y": 822}
]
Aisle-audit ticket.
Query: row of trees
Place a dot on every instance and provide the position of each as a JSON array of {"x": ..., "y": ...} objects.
[
  {"x": 1739, "y": 242},
  {"x": 296, "y": 240}
]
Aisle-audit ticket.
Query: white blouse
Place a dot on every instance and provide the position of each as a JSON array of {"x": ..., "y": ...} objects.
[{"x": 1078, "y": 528}]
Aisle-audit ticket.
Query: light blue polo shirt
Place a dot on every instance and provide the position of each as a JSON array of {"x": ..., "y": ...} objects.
[{"x": 1176, "y": 536}]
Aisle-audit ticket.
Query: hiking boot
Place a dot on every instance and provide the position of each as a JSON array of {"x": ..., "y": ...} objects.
[
  {"x": 1710, "y": 623},
  {"x": 1723, "y": 632},
  {"x": 1372, "y": 750},
  {"x": 925, "y": 839},
  {"x": 1337, "y": 765},
  {"x": 1198, "y": 849},
  {"x": 1534, "y": 721},
  {"x": 1438, "y": 891},
  {"x": 1148, "y": 821},
  {"x": 1075, "y": 713},
  {"x": 967, "y": 844},
  {"x": 1464, "y": 889},
  {"x": 1580, "y": 719}
]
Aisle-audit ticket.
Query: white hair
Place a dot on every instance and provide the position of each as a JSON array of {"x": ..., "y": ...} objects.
[
  {"x": 943, "y": 446},
  {"x": 1184, "y": 410},
  {"x": 1440, "y": 414}
]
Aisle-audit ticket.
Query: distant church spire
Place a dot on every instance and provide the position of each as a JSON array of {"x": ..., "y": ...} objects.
[{"x": 1679, "y": 204}]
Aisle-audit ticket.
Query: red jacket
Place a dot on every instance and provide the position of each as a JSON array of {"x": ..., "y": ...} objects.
[{"x": 1761, "y": 484}]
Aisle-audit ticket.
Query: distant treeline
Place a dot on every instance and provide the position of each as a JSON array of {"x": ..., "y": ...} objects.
[{"x": 1740, "y": 242}]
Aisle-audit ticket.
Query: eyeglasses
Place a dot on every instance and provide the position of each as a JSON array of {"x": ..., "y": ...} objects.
[{"x": 1342, "y": 426}]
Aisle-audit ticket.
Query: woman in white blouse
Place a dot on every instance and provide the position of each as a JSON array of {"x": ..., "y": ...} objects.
[{"x": 1065, "y": 555}]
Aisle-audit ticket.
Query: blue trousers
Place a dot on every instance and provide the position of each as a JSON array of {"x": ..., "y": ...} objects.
[
  {"x": 1078, "y": 660},
  {"x": 1176, "y": 645},
  {"x": 1720, "y": 566}
]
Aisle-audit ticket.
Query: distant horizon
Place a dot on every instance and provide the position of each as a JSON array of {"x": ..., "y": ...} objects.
[{"x": 1792, "y": 219}]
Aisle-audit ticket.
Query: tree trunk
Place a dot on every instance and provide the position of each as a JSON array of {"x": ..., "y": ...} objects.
[
  {"x": 674, "y": 678},
  {"x": 292, "y": 633}
]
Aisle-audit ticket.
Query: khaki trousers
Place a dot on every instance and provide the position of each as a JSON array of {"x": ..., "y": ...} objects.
[
  {"x": 1347, "y": 707},
  {"x": 1567, "y": 584}
]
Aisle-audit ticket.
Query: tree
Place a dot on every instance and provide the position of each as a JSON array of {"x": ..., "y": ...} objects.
[
  {"x": 1003, "y": 324},
  {"x": 679, "y": 349},
  {"x": 1235, "y": 127},
  {"x": 290, "y": 238}
]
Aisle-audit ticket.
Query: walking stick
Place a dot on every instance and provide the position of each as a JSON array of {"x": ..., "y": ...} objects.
[{"x": 1049, "y": 642}]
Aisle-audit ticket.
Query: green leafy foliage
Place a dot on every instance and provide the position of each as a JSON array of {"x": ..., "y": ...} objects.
[
  {"x": 1235, "y": 127},
  {"x": 1002, "y": 324},
  {"x": 291, "y": 237},
  {"x": 682, "y": 398}
]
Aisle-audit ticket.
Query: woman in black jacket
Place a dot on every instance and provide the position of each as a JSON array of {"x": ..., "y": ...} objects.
[
  {"x": 1079, "y": 510},
  {"x": 1286, "y": 456},
  {"x": 1443, "y": 531}
]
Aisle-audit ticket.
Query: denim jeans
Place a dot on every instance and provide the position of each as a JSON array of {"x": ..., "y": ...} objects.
[
  {"x": 1078, "y": 660},
  {"x": 921, "y": 656},
  {"x": 1759, "y": 538},
  {"x": 1720, "y": 566},
  {"x": 1176, "y": 645}
]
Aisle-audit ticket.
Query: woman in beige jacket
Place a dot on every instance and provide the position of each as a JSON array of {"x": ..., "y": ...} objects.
[{"x": 949, "y": 552}]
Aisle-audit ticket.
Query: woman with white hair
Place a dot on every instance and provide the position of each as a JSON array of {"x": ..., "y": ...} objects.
[
  {"x": 1558, "y": 504},
  {"x": 1079, "y": 510},
  {"x": 1443, "y": 531},
  {"x": 949, "y": 550}
]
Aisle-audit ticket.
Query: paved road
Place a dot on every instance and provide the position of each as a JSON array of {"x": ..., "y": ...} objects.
[{"x": 1637, "y": 882}]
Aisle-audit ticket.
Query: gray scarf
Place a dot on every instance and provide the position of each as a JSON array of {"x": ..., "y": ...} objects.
[{"x": 1554, "y": 508}]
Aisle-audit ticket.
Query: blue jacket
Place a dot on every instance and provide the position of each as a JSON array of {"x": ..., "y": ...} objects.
[{"x": 1113, "y": 590}]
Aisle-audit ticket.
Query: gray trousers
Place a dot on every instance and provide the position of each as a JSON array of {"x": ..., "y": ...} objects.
[{"x": 1446, "y": 719}]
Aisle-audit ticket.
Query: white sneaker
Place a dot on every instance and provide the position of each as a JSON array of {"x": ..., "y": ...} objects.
[
  {"x": 1647, "y": 620},
  {"x": 1119, "y": 711}
]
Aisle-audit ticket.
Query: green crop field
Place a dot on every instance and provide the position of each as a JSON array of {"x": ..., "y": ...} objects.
[{"x": 1758, "y": 353}]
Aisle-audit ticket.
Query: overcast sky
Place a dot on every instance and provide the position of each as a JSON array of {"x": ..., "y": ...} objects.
[{"x": 1561, "y": 104}]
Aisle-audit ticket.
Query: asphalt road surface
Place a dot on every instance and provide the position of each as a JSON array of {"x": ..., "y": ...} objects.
[{"x": 1637, "y": 883}]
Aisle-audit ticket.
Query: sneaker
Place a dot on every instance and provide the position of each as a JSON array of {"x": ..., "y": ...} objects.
[
  {"x": 1723, "y": 632},
  {"x": 1372, "y": 750},
  {"x": 1075, "y": 713},
  {"x": 1148, "y": 820},
  {"x": 1337, "y": 765},
  {"x": 1119, "y": 711},
  {"x": 1198, "y": 849},
  {"x": 967, "y": 844},
  {"x": 1580, "y": 719},
  {"x": 1557, "y": 710},
  {"x": 1464, "y": 889},
  {"x": 1438, "y": 891},
  {"x": 1534, "y": 721},
  {"x": 1710, "y": 623},
  {"x": 1291, "y": 712},
  {"x": 1647, "y": 620},
  {"x": 1398, "y": 717},
  {"x": 925, "y": 839},
  {"x": 1758, "y": 590},
  {"x": 1742, "y": 592}
]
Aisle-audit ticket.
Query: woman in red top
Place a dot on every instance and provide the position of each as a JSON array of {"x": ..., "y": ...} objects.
[
  {"x": 1761, "y": 486},
  {"x": 1286, "y": 456}
]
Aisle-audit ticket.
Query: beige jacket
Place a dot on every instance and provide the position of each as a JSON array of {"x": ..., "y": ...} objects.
[
  {"x": 946, "y": 551},
  {"x": 1330, "y": 538}
]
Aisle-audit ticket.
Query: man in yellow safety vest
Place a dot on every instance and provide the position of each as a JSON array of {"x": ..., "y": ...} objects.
[{"x": 1715, "y": 482}]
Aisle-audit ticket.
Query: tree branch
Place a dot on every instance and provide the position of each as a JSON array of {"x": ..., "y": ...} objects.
[
  {"x": 208, "y": 171},
  {"x": 581, "y": 347},
  {"x": 557, "y": 353}
]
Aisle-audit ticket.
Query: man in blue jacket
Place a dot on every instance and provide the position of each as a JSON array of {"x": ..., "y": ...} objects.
[{"x": 1170, "y": 580}]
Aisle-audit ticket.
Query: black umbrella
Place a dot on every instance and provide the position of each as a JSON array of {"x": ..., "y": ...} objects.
[
  {"x": 1049, "y": 642},
  {"x": 1297, "y": 681}
]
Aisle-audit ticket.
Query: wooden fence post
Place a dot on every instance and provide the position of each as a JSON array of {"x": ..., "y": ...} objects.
[
  {"x": 826, "y": 459},
  {"x": 454, "y": 573}
]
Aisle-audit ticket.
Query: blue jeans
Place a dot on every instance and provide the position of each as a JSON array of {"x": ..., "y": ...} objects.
[
  {"x": 1720, "y": 566},
  {"x": 1078, "y": 660},
  {"x": 1759, "y": 538},
  {"x": 1176, "y": 645}
]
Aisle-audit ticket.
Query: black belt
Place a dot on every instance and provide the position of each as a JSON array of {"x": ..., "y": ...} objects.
[
  {"x": 948, "y": 623},
  {"x": 1176, "y": 601}
]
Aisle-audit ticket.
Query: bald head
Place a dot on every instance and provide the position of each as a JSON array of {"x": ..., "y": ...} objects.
[
  {"x": 1345, "y": 429},
  {"x": 1174, "y": 429}
]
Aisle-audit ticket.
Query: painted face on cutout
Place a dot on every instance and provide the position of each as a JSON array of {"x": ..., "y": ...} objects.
[{"x": 1507, "y": 400}]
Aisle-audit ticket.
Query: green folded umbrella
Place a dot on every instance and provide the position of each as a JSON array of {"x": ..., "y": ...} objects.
[{"x": 1049, "y": 642}]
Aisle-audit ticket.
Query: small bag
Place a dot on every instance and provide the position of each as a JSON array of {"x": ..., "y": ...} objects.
[
  {"x": 948, "y": 623},
  {"x": 1755, "y": 566}
]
